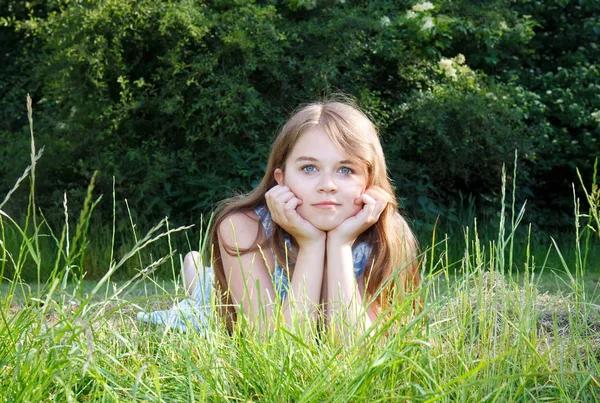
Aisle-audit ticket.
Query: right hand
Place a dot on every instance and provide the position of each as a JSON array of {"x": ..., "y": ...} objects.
[{"x": 282, "y": 204}]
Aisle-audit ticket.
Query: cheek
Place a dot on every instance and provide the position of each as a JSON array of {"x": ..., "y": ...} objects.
[
  {"x": 297, "y": 191},
  {"x": 355, "y": 191},
  {"x": 293, "y": 182},
  {"x": 355, "y": 210}
]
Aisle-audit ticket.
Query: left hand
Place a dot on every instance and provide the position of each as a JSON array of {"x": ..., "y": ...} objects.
[{"x": 374, "y": 200}]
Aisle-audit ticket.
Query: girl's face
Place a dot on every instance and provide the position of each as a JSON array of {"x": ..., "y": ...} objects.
[{"x": 324, "y": 179}]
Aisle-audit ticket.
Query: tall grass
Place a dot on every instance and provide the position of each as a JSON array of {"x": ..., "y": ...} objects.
[{"x": 489, "y": 335}]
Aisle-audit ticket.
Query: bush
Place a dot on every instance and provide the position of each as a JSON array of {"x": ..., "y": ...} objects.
[
  {"x": 454, "y": 140},
  {"x": 179, "y": 101}
]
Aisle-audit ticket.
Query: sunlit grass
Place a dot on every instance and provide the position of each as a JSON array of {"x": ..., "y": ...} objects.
[{"x": 488, "y": 329}]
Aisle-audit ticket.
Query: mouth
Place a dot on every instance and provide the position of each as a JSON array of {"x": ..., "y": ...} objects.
[{"x": 326, "y": 205}]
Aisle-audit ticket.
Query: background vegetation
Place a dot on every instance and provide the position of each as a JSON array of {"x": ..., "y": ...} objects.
[{"x": 179, "y": 100}]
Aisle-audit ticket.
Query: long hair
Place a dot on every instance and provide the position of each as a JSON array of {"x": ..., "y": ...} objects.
[{"x": 393, "y": 245}]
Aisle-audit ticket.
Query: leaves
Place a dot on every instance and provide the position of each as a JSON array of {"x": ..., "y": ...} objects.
[{"x": 180, "y": 100}]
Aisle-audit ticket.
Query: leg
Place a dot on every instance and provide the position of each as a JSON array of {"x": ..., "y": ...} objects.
[
  {"x": 188, "y": 313},
  {"x": 192, "y": 266}
]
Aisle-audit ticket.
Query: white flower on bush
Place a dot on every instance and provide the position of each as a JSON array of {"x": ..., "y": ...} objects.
[
  {"x": 449, "y": 70},
  {"x": 428, "y": 24},
  {"x": 410, "y": 14},
  {"x": 385, "y": 21},
  {"x": 422, "y": 7},
  {"x": 596, "y": 116},
  {"x": 455, "y": 66}
]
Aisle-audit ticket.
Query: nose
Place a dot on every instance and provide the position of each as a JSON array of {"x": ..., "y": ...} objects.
[{"x": 327, "y": 184}]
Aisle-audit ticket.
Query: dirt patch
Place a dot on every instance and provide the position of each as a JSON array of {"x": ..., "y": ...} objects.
[{"x": 490, "y": 302}]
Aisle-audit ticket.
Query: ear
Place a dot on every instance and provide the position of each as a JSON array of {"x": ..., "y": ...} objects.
[{"x": 278, "y": 176}]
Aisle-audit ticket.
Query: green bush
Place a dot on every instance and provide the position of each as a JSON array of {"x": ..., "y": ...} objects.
[
  {"x": 558, "y": 63},
  {"x": 455, "y": 140},
  {"x": 179, "y": 101}
]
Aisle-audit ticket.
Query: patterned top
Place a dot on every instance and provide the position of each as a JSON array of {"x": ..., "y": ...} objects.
[
  {"x": 360, "y": 253},
  {"x": 194, "y": 312}
]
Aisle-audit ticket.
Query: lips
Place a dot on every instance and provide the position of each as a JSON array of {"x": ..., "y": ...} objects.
[{"x": 327, "y": 204}]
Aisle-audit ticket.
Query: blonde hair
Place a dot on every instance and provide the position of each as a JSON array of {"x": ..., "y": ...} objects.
[{"x": 393, "y": 245}]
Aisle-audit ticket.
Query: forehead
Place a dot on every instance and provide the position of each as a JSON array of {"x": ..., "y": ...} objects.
[{"x": 315, "y": 143}]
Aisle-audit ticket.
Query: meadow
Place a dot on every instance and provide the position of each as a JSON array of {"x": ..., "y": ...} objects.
[{"x": 488, "y": 328}]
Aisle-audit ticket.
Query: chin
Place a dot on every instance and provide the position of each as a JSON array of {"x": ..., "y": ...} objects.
[
  {"x": 325, "y": 225},
  {"x": 325, "y": 222}
]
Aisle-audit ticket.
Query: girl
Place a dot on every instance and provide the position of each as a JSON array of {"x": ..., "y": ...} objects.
[{"x": 320, "y": 234}]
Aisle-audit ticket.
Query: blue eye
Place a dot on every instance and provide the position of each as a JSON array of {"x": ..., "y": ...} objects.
[
  {"x": 346, "y": 171},
  {"x": 309, "y": 168}
]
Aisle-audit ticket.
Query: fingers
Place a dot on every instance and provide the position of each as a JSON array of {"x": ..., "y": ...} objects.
[
  {"x": 289, "y": 208},
  {"x": 371, "y": 209},
  {"x": 277, "y": 198},
  {"x": 282, "y": 203},
  {"x": 276, "y": 192},
  {"x": 374, "y": 201},
  {"x": 378, "y": 193}
]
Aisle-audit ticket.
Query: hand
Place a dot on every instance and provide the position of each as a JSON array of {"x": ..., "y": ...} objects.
[
  {"x": 282, "y": 204},
  {"x": 374, "y": 200}
]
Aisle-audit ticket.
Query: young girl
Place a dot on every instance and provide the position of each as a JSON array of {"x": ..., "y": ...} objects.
[{"x": 320, "y": 234}]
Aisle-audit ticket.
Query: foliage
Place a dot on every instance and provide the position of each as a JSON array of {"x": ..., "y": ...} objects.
[
  {"x": 557, "y": 61},
  {"x": 179, "y": 101}
]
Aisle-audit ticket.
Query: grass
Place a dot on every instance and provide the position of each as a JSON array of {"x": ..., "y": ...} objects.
[{"x": 487, "y": 330}]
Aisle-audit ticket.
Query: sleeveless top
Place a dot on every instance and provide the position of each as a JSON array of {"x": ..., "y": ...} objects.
[
  {"x": 281, "y": 283},
  {"x": 194, "y": 312}
]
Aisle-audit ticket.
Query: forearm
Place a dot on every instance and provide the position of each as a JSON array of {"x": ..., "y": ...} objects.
[
  {"x": 344, "y": 300},
  {"x": 305, "y": 287}
]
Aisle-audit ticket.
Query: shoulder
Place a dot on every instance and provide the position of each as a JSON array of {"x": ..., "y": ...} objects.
[{"x": 240, "y": 228}]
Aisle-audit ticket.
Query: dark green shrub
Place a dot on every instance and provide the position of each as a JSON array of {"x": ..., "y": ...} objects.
[
  {"x": 179, "y": 101},
  {"x": 453, "y": 140},
  {"x": 557, "y": 62}
]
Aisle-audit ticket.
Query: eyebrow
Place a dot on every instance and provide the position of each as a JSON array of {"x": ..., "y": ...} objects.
[{"x": 302, "y": 158}]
